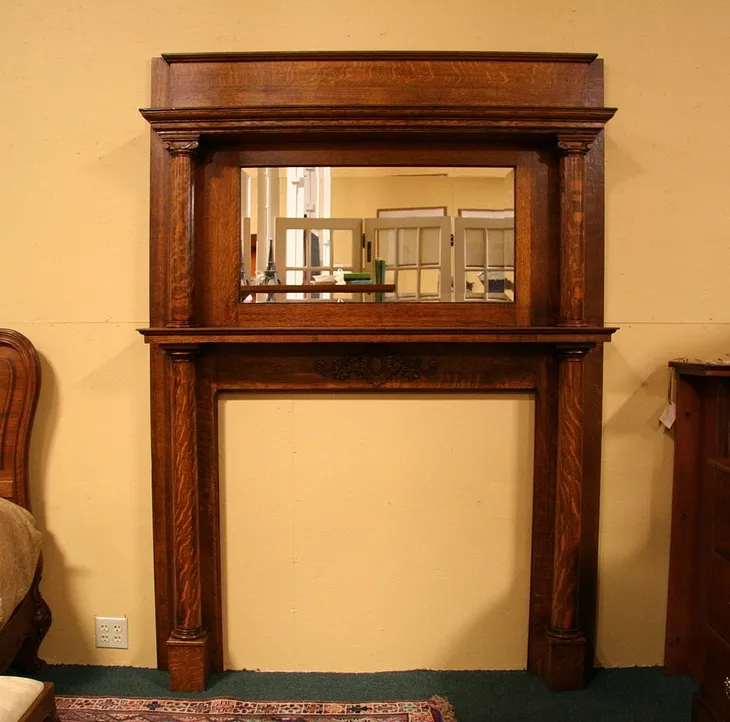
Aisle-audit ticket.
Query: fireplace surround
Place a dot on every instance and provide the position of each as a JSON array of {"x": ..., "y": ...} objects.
[{"x": 213, "y": 114}]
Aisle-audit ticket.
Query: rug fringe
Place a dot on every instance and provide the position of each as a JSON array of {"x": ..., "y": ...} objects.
[{"x": 443, "y": 707}]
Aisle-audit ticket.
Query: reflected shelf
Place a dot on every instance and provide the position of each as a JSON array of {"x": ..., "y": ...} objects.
[{"x": 320, "y": 288}]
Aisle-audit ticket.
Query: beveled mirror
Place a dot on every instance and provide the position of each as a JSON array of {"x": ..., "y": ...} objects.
[{"x": 407, "y": 234}]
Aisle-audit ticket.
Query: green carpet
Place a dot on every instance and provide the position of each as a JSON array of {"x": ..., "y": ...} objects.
[{"x": 613, "y": 695}]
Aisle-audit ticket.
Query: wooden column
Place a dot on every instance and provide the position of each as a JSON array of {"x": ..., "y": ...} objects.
[
  {"x": 188, "y": 654},
  {"x": 567, "y": 644},
  {"x": 187, "y": 646},
  {"x": 180, "y": 265},
  {"x": 572, "y": 228}
]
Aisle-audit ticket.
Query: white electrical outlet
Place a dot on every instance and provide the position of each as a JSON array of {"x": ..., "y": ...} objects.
[{"x": 111, "y": 632}]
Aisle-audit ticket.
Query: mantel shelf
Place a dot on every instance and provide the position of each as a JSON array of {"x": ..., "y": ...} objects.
[{"x": 556, "y": 335}]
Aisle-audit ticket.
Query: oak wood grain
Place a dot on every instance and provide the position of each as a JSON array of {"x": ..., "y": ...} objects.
[
  {"x": 180, "y": 256},
  {"x": 569, "y": 481},
  {"x": 209, "y": 506},
  {"x": 362, "y": 78},
  {"x": 543, "y": 514},
  {"x": 572, "y": 230},
  {"x": 189, "y": 664},
  {"x": 188, "y": 620},
  {"x": 162, "y": 527}
]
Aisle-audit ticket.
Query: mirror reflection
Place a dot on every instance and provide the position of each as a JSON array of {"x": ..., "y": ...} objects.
[{"x": 377, "y": 234}]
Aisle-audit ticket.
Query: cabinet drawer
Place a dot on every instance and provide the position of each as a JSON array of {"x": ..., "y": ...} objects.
[
  {"x": 721, "y": 514},
  {"x": 718, "y": 597},
  {"x": 716, "y": 683}
]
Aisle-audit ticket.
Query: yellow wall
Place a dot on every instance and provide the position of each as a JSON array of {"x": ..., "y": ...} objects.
[
  {"x": 396, "y": 541},
  {"x": 363, "y": 197},
  {"x": 74, "y": 208}
]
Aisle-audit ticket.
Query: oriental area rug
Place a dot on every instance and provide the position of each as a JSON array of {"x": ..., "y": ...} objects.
[{"x": 129, "y": 709}]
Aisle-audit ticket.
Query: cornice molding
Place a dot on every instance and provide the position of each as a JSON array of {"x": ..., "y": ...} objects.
[{"x": 570, "y": 122}]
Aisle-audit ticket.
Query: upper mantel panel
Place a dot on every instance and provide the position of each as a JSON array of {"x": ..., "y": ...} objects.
[
  {"x": 214, "y": 114},
  {"x": 357, "y": 79}
]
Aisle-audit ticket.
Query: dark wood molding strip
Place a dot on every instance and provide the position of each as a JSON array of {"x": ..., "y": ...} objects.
[{"x": 396, "y": 55}]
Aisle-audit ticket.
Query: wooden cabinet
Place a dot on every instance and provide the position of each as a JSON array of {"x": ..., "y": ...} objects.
[
  {"x": 698, "y": 614},
  {"x": 714, "y": 694}
]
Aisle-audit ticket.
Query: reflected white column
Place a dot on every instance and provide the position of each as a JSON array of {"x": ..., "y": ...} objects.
[{"x": 268, "y": 211}]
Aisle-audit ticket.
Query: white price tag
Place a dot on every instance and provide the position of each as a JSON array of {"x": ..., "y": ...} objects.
[{"x": 669, "y": 415}]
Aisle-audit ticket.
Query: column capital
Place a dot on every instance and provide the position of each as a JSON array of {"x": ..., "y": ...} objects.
[
  {"x": 576, "y": 142},
  {"x": 180, "y": 143}
]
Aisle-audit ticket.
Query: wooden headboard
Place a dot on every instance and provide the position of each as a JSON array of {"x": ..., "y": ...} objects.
[{"x": 20, "y": 384}]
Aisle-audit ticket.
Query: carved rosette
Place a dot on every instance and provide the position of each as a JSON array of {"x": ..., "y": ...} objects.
[{"x": 377, "y": 370}]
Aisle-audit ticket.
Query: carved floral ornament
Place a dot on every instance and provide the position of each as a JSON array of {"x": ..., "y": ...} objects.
[{"x": 376, "y": 370}]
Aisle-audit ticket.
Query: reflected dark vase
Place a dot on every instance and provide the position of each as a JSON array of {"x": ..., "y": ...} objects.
[{"x": 271, "y": 275}]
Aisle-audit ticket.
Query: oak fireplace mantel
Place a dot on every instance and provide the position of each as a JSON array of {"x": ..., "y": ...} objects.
[{"x": 530, "y": 320}]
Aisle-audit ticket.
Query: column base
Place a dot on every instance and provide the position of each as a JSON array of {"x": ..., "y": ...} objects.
[
  {"x": 189, "y": 663},
  {"x": 565, "y": 667}
]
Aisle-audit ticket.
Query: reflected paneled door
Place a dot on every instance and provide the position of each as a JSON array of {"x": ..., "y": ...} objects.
[
  {"x": 305, "y": 247},
  {"x": 417, "y": 255},
  {"x": 484, "y": 259}
]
